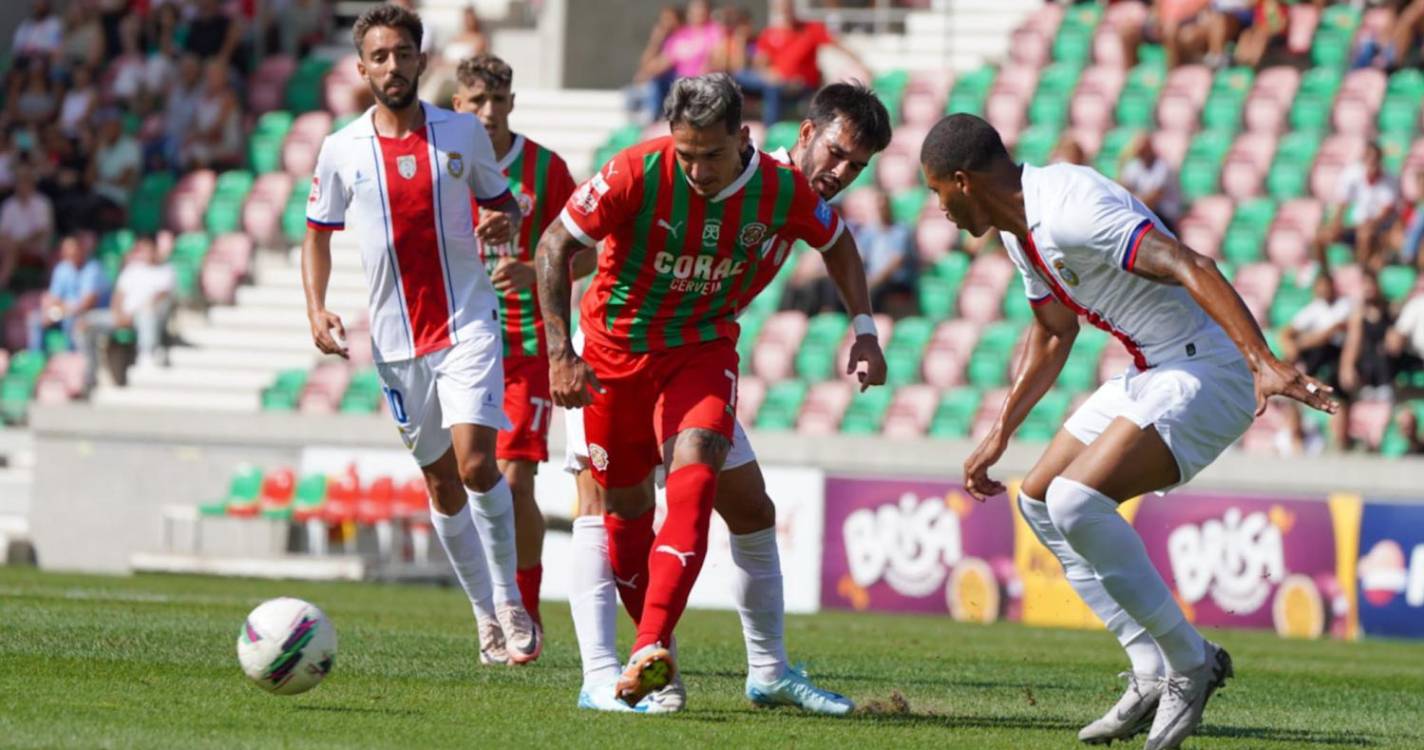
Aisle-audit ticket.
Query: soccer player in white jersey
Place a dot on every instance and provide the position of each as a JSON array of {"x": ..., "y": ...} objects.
[
  {"x": 405, "y": 173},
  {"x": 845, "y": 126},
  {"x": 1201, "y": 369}
]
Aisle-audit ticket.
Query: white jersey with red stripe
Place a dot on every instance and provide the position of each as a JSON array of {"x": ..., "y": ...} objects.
[
  {"x": 1084, "y": 234},
  {"x": 408, "y": 200}
]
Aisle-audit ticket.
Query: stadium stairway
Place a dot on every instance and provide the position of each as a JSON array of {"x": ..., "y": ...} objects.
[
  {"x": 956, "y": 34},
  {"x": 572, "y": 122}
]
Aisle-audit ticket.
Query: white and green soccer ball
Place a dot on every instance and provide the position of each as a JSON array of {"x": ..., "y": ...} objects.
[{"x": 287, "y": 646}]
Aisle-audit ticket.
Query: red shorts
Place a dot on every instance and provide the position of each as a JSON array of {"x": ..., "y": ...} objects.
[
  {"x": 650, "y": 397},
  {"x": 529, "y": 407}
]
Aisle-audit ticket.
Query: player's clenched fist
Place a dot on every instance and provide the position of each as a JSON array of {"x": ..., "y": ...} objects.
[
  {"x": 495, "y": 228},
  {"x": 328, "y": 332},
  {"x": 571, "y": 381},
  {"x": 867, "y": 349}
]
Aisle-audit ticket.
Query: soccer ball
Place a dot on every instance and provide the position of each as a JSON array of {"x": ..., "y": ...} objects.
[{"x": 287, "y": 646}]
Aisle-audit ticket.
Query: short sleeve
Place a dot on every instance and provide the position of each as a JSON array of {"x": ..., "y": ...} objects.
[
  {"x": 1035, "y": 290},
  {"x": 605, "y": 202},
  {"x": 558, "y": 186},
  {"x": 326, "y": 205},
  {"x": 1106, "y": 224},
  {"x": 488, "y": 182},
  {"x": 811, "y": 219}
]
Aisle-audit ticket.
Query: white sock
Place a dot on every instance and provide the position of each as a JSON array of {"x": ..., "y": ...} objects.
[
  {"x": 1088, "y": 519},
  {"x": 494, "y": 517},
  {"x": 462, "y": 545},
  {"x": 760, "y": 602},
  {"x": 1141, "y": 649},
  {"x": 593, "y": 600}
]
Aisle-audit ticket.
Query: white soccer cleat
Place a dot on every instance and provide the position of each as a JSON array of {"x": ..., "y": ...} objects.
[
  {"x": 522, "y": 638},
  {"x": 795, "y": 689},
  {"x": 649, "y": 669},
  {"x": 1184, "y": 697},
  {"x": 492, "y": 647},
  {"x": 669, "y": 700},
  {"x": 600, "y": 697},
  {"x": 1131, "y": 716}
]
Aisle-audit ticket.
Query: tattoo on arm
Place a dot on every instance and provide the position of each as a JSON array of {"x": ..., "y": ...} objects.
[{"x": 555, "y": 286}]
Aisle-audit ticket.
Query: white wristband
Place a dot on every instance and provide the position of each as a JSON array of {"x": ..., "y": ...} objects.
[{"x": 863, "y": 325}]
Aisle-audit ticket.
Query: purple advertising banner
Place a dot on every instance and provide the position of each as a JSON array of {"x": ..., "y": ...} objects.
[
  {"x": 915, "y": 546},
  {"x": 1243, "y": 561}
]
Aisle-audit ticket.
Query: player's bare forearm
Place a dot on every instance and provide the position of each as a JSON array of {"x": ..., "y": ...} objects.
[
  {"x": 556, "y": 248},
  {"x": 1167, "y": 261},
  {"x": 316, "y": 268},
  {"x": 847, "y": 272},
  {"x": 1050, "y": 340}
]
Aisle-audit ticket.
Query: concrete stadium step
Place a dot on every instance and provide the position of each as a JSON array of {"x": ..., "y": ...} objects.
[
  {"x": 285, "y": 341},
  {"x": 280, "y": 296},
  {"x": 190, "y": 359},
  {"x": 15, "y": 487},
  {"x": 200, "y": 379},
  {"x": 567, "y": 100},
  {"x": 172, "y": 398},
  {"x": 269, "y": 316}
]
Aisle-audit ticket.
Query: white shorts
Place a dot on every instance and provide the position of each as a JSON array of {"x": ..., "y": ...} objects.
[
  {"x": 1200, "y": 407},
  {"x": 460, "y": 385},
  {"x": 576, "y": 445}
]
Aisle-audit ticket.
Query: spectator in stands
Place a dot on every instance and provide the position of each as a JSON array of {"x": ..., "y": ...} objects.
[
  {"x": 1407, "y": 29},
  {"x": 78, "y": 103},
  {"x": 215, "y": 139},
  {"x": 37, "y": 99},
  {"x": 301, "y": 24},
  {"x": 26, "y": 224},
  {"x": 9, "y": 161},
  {"x": 738, "y": 46},
  {"x": 1404, "y": 343},
  {"x": 888, "y": 251},
  {"x": 115, "y": 168},
  {"x": 212, "y": 33},
  {"x": 142, "y": 300},
  {"x": 77, "y": 285},
  {"x": 131, "y": 82},
  {"x": 1407, "y": 235},
  {"x": 1315, "y": 337},
  {"x": 808, "y": 289},
  {"x": 39, "y": 36},
  {"x": 471, "y": 40},
  {"x": 1364, "y": 207},
  {"x": 1298, "y": 436},
  {"x": 1408, "y": 423},
  {"x": 1178, "y": 25},
  {"x": 654, "y": 74},
  {"x": 1149, "y": 177},
  {"x": 64, "y": 168},
  {"x": 1068, "y": 151},
  {"x": 181, "y": 108},
  {"x": 1366, "y": 369},
  {"x": 784, "y": 69},
  {"x": 686, "y": 51},
  {"x": 83, "y": 41}
]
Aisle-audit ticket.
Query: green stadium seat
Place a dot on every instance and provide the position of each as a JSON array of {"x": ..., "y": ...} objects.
[
  {"x": 1152, "y": 54},
  {"x": 1329, "y": 49},
  {"x": 906, "y": 351},
  {"x": 310, "y": 495},
  {"x": 782, "y": 405},
  {"x": 1135, "y": 108},
  {"x": 1395, "y": 147},
  {"x": 1288, "y": 301},
  {"x": 1396, "y": 282},
  {"x": 1046, "y": 417},
  {"x": 304, "y": 89},
  {"x": 1015, "y": 307},
  {"x": 224, "y": 215},
  {"x": 954, "y": 417},
  {"x": 146, "y": 208},
  {"x": 55, "y": 342},
  {"x": 866, "y": 412},
  {"x": 953, "y": 267},
  {"x": 750, "y": 322},
  {"x": 294, "y": 214},
  {"x": 1399, "y": 114},
  {"x": 937, "y": 297},
  {"x": 1222, "y": 112},
  {"x": 1287, "y": 179},
  {"x": 1199, "y": 178},
  {"x": 1036, "y": 143},
  {"x": 906, "y": 205},
  {"x": 1234, "y": 80},
  {"x": 243, "y": 490},
  {"x": 989, "y": 363},
  {"x": 903, "y": 366},
  {"x": 1074, "y": 43},
  {"x": 815, "y": 362},
  {"x": 1310, "y": 112},
  {"x": 1211, "y": 145},
  {"x": 782, "y": 135},
  {"x": 970, "y": 90},
  {"x": 913, "y": 332},
  {"x": 1114, "y": 143}
]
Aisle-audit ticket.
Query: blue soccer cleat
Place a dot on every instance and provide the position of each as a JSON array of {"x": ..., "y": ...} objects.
[{"x": 795, "y": 689}]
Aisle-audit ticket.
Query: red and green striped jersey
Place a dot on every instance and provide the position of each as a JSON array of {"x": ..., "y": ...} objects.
[
  {"x": 541, "y": 182},
  {"x": 677, "y": 268}
]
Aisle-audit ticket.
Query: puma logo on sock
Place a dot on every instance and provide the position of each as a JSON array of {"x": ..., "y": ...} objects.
[{"x": 681, "y": 556}]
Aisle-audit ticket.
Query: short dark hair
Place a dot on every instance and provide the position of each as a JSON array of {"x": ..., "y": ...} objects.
[
  {"x": 390, "y": 16},
  {"x": 962, "y": 142},
  {"x": 860, "y": 106},
  {"x": 701, "y": 101},
  {"x": 492, "y": 71}
]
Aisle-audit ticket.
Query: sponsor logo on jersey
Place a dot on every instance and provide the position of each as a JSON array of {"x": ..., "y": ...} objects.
[
  {"x": 1069, "y": 278},
  {"x": 698, "y": 274},
  {"x": 823, "y": 213},
  {"x": 405, "y": 165},
  {"x": 598, "y": 456},
  {"x": 587, "y": 197},
  {"x": 455, "y": 164},
  {"x": 752, "y": 234}
]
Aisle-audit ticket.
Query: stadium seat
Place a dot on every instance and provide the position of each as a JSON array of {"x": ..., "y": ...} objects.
[
  {"x": 275, "y": 500},
  {"x": 910, "y": 412},
  {"x": 970, "y": 91},
  {"x": 243, "y": 493},
  {"x": 824, "y": 407},
  {"x": 309, "y": 497},
  {"x": 955, "y": 414},
  {"x": 1396, "y": 282},
  {"x": 782, "y": 405},
  {"x": 268, "y": 84},
  {"x": 866, "y": 413},
  {"x": 751, "y": 393}
]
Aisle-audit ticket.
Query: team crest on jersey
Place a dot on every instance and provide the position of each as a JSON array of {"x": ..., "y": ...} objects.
[
  {"x": 598, "y": 456},
  {"x": 1064, "y": 271},
  {"x": 526, "y": 203},
  {"x": 752, "y": 234},
  {"x": 405, "y": 165},
  {"x": 455, "y": 164}
]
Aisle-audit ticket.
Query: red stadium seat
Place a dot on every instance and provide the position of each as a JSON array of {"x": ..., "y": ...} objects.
[
  {"x": 1030, "y": 47},
  {"x": 751, "y": 392},
  {"x": 988, "y": 413},
  {"x": 825, "y": 405},
  {"x": 896, "y": 172},
  {"x": 1172, "y": 146},
  {"x": 922, "y": 108},
  {"x": 935, "y": 239},
  {"x": 980, "y": 302},
  {"x": 910, "y": 412},
  {"x": 1349, "y": 281},
  {"x": 1301, "y": 22},
  {"x": 1368, "y": 422},
  {"x": 377, "y": 503}
]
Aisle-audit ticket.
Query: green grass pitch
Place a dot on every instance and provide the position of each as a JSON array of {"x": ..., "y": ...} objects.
[{"x": 149, "y": 662}]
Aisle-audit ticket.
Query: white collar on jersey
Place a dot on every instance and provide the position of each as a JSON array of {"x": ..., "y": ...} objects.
[
  {"x": 741, "y": 181},
  {"x": 365, "y": 125},
  {"x": 516, "y": 147},
  {"x": 781, "y": 155}
]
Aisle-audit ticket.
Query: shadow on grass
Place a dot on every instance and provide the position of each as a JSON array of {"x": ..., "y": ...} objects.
[{"x": 1292, "y": 736}]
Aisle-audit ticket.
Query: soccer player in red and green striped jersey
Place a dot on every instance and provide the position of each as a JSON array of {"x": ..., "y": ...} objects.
[
  {"x": 694, "y": 225},
  {"x": 540, "y": 181}
]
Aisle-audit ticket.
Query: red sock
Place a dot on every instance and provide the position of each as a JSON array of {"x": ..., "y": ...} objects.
[
  {"x": 629, "y": 541},
  {"x": 678, "y": 552},
  {"x": 528, "y": 580}
]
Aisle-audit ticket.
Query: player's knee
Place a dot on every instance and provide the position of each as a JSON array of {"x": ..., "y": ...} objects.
[
  {"x": 1070, "y": 506},
  {"x": 700, "y": 447},
  {"x": 479, "y": 472}
]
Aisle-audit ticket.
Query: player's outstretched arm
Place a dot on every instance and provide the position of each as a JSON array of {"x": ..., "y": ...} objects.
[
  {"x": 847, "y": 272},
  {"x": 1165, "y": 260},
  {"x": 569, "y": 377},
  {"x": 327, "y": 330},
  {"x": 1050, "y": 340}
]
